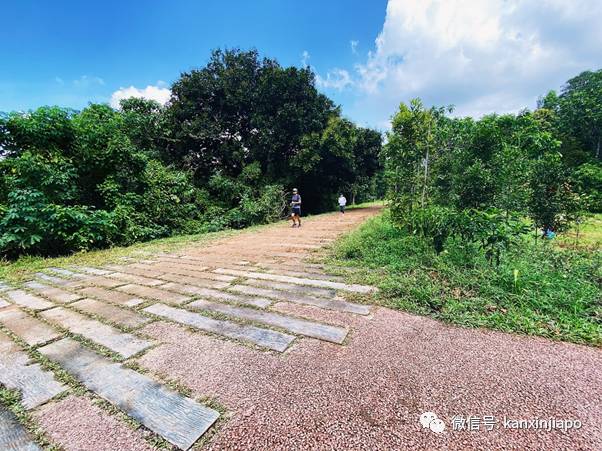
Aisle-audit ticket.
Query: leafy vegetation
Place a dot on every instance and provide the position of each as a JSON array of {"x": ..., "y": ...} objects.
[
  {"x": 234, "y": 137},
  {"x": 537, "y": 289},
  {"x": 489, "y": 220}
]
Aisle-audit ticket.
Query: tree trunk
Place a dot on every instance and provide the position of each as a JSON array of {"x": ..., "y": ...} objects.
[
  {"x": 598, "y": 150},
  {"x": 426, "y": 173}
]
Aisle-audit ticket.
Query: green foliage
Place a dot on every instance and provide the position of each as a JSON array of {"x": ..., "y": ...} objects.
[
  {"x": 535, "y": 290},
  {"x": 553, "y": 200},
  {"x": 32, "y": 224},
  {"x": 218, "y": 155},
  {"x": 588, "y": 180}
]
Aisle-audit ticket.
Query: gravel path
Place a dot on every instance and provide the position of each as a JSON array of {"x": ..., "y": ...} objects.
[{"x": 365, "y": 394}]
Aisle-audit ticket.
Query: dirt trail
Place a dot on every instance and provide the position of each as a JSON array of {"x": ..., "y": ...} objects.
[{"x": 253, "y": 324}]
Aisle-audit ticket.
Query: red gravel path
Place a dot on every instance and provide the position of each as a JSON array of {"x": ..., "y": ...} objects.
[{"x": 369, "y": 394}]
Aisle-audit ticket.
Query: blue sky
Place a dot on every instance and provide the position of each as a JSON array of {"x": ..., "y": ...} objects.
[
  {"x": 73, "y": 52},
  {"x": 479, "y": 55}
]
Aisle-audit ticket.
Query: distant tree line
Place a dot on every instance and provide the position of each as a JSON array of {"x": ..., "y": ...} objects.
[
  {"x": 479, "y": 180},
  {"x": 235, "y": 136}
]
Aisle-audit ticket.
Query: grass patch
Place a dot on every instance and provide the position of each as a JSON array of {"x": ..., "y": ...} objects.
[
  {"x": 538, "y": 289},
  {"x": 24, "y": 268},
  {"x": 588, "y": 234}
]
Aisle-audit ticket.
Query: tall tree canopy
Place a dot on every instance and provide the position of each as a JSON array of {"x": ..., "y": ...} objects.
[{"x": 233, "y": 138}]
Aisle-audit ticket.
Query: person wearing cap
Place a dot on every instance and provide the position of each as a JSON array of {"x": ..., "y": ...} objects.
[{"x": 296, "y": 208}]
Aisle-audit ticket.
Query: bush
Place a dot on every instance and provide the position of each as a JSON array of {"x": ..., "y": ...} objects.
[
  {"x": 537, "y": 290},
  {"x": 31, "y": 224}
]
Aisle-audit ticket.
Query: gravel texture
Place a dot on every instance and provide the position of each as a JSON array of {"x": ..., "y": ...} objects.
[
  {"x": 370, "y": 393},
  {"x": 76, "y": 424}
]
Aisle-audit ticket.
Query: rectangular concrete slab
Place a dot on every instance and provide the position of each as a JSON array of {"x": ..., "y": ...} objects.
[
  {"x": 178, "y": 419},
  {"x": 97, "y": 281},
  {"x": 122, "y": 343},
  {"x": 305, "y": 275},
  {"x": 196, "y": 281},
  {"x": 18, "y": 372},
  {"x": 59, "y": 281},
  {"x": 28, "y": 300},
  {"x": 91, "y": 270},
  {"x": 111, "y": 313},
  {"x": 31, "y": 330},
  {"x": 130, "y": 269},
  {"x": 191, "y": 289},
  {"x": 154, "y": 293},
  {"x": 173, "y": 268},
  {"x": 112, "y": 296},
  {"x": 329, "y": 304},
  {"x": 295, "y": 325},
  {"x": 52, "y": 293},
  {"x": 290, "y": 287},
  {"x": 300, "y": 281},
  {"x": 263, "y": 337},
  {"x": 237, "y": 298},
  {"x": 13, "y": 436},
  {"x": 68, "y": 273},
  {"x": 133, "y": 278}
]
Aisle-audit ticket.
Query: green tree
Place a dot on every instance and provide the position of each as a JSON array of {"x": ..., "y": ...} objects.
[{"x": 580, "y": 110}]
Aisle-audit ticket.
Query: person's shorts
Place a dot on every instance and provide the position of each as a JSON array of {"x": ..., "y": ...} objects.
[
  {"x": 342, "y": 207},
  {"x": 297, "y": 211}
]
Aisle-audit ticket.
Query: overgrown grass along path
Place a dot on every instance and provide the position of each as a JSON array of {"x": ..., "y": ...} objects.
[{"x": 556, "y": 292}]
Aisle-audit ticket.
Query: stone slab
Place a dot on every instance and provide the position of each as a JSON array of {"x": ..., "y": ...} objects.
[
  {"x": 295, "y": 325},
  {"x": 178, "y": 419},
  {"x": 300, "y": 281},
  {"x": 237, "y": 298},
  {"x": 68, "y": 273},
  {"x": 329, "y": 304},
  {"x": 263, "y": 337},
  {"x": 52, "y": 279},
  {"x": 122, "y": 343},
  {"x": 4, "y": 287},
  {"x": 304, "y": 274},
  {"x": 191, "y": 289},
  {"x": 18, "y": 372},
  {"x": 175, "y": 269},
  {"x": 154, "y": 293},
  {"x": 52, "y": 293},
  {"x": 4, "y": 304},
  {"x": 31, "y": 330},
  {"x": 115, "y": 297},
  {"x": 192, "y": 280},
  {"x": 25, "y": 299},
  {"x": 111, "y": 313},
  {"x": 133, "y": 278},
  {"x": 92, "y": 270},
  {"x": 303, "y": 289},
  {"x": 13, "y": 436},
  {"x": 131, "y": 269},
  {"x": 97, "y": 281}
]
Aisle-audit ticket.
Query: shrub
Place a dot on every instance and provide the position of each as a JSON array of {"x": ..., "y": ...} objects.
[{"x": 31, "y": 224}]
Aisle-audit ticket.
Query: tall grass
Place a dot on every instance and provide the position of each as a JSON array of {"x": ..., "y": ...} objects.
[{"x": 538, "y": 289}]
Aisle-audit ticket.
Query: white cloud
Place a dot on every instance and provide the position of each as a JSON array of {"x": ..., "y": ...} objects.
[
  {"x": 337, "y": 79},
  {"x": 354, "y": 45},
  {"x": 305, "y": 58},
  {"x": 480, "y": 55},
  {"x": 86, "y": 81},
  {"x": 158, "y": 93}
]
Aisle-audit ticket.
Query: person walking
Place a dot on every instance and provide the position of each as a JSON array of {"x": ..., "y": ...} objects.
[
  {"x": 296, "y": 208},
  {"x": 342, "y": 203}
]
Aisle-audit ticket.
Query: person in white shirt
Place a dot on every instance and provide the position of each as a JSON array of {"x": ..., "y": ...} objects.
[{"x": 342, "y": 203}]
